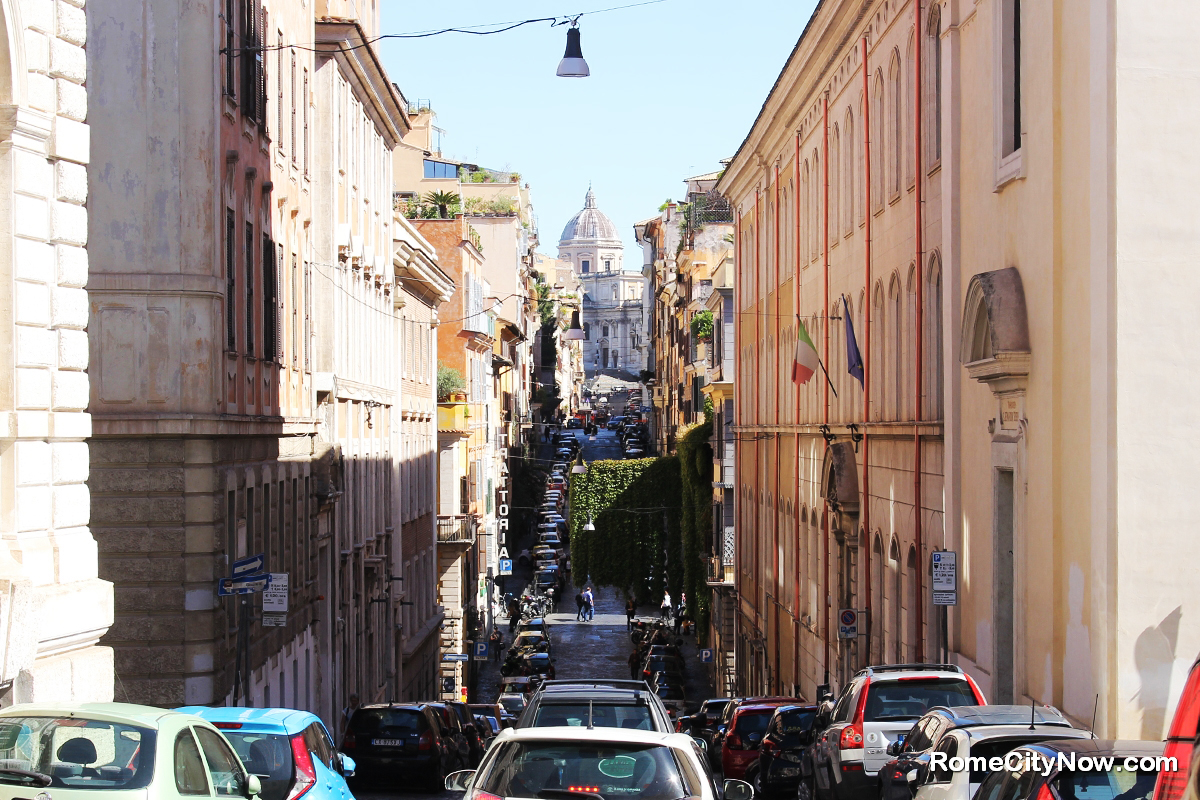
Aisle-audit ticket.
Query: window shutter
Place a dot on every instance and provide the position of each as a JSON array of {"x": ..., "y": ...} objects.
[
  {"x": 260, "y": 67},
  {"x": 278, "y": 302}
]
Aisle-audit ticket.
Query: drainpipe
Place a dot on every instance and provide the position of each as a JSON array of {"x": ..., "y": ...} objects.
[
  {"x": 825, "y": 337},
  {"x": 754, "y": 565},
  {"x": 918, "y": 339},
  {"x": 796, "y": 417},
  {"x": 778, "y": 377},
  {"x": 867, "y": 301},
  {"x": 739, "y": 414}
]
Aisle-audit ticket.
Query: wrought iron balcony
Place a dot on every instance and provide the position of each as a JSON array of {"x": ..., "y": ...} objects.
[
  {"x": 719, "y": 573},
  {"x": 456, "y": 529}
]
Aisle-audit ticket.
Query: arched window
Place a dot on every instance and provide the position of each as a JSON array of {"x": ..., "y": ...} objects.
[
  {"x": 909, "y": 68},
  {"x": 895, "y": 611},
  {"x": 933, "y": 389},
  {"x": 896, "y": 123},
  {"x": 879, "y": 362},
  {"x": 877, "y": 592},
  {"x": 850, "y": 190},
  {"x": 895, "y": 351},
  {"x": 912, "y": 634},
  {"x": 817, "y": 229},
  {"x": 910, "y": 347},
  {"x": 835, "y": 164},
  {"x": 878, "y": 144},
  {"x": 931, "y": 88},
  {"x": 805, "y": 201},
  {"x": 587, "y": 331}
]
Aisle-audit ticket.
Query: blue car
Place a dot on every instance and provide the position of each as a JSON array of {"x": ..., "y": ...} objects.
[{"x": 290, "y": 751}]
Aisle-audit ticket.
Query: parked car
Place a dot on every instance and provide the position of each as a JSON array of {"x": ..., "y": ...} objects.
[
  {"x": 73, "y": 751},
  {"x": 739, "y": 747},
  {"x": 722, "y": 725},
  {"x": 615, "y": 423},
  {"x": 492, "y": 710},
  {"x": 453, "y": 733},
  {"x": 467, "y": 719},
  {"x": 966, "y": 732},
  {"x": 529, "y": 639},
  {"x": 1038, "y": 774},
  {"x": 401, "y": 742},
  {"x": 1183, "y": 783},
  {"x": 290, "y": 751},
  {"x": 535, "y": 625},
  {"x": 602, "y": 763},
  {"x": 878, "y": 705},
  {"x": 513, "y": 703},
  {"x": 712, "y": 709},
  {"x": 661, "y": 663},
  {"x": 783, "y": 752},
  {"x": 574, "y": 422}
]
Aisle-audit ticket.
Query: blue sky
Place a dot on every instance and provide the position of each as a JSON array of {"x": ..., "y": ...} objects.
[{"x": 674, "y": 88}]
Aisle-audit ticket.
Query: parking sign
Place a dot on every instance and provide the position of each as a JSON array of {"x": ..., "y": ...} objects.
[
  {"x": 706, "y": 655},
  {"x": 945, "y": 578},
  {"x": 506, "y": 566},
  {"x": 480, "y": 650},
  {"x": 848, "y": 624}
]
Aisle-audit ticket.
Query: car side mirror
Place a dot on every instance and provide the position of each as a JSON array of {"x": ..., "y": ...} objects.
[
  {"x": 253, "y": 786},
  {"x": 348, "y": 765},
  {"x": 460, "y": 781},
  {"x": 738, "y": 790},
  {"x": 703, "y": 745}
]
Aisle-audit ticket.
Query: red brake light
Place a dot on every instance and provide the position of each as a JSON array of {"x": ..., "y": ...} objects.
[
  {"x": 305, "y": 777},
  {"x": 852, "y": 737},
  {"x": 1044, "y": 793},
  {"x": 349, "y": 742},
  {"x": 425, "y": 740},
  {"x": 1171, "y": 783},
  {"x": 734, "y": 741},
  {"x": 592, "y": 789},
  {"x": 484, "y": 796},
  {"x": 770, "y": 746},
  {"x": 1187, "y": 713},
  {"x": 862, "y": 703},
  {"x": 227, "y": 726}
]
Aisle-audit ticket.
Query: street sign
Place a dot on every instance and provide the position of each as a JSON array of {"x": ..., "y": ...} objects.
[
  {"x": 945, "y": 578},
  {"x": 706, "y": 655},
  {"x": 248, "y": 566},
  {"x": 247, "y": 584},
  {"x": 506, "y": 566},
  {"x": 481, "y": 651},
  {"x": 455, "y": 657},
  {"x": 447, "y": 684},
  {"x": 847, "y": 624},
  {"x": 272, "y": 620},
  {"x": 275, "y": 596}
]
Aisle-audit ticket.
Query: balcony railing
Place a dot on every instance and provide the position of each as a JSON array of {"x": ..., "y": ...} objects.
[
  {"x": 457, "y": 529},
  {"x": 719, "y": 574}
]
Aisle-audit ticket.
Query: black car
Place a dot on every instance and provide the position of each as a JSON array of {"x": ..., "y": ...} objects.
[
  {"x": 605, "y": 703},
  {"x": 453, "y": 733},
  {"x": 784, "y": 750},
  {"x": 399, "y": 742},
  {"x": 660, "y": 663},
  {"x": 466, "y": 718}
]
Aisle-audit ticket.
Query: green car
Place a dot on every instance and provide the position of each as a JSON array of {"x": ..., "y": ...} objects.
[{"x": 85, "y": 751}]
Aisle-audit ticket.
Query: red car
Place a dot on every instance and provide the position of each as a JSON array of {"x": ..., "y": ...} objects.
[
  {"x": 1181, "y": 738},
  {"x": 739, "y": 748}
]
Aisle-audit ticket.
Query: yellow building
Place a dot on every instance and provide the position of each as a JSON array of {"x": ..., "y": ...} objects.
[{"x": 1039, "y": 306}]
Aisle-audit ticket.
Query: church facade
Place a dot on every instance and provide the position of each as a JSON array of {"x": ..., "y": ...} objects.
[{"x": 614, "y": 330}]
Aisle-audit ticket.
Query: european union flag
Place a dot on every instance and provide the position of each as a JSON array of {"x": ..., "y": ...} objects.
[{"x": 854, "y": 362}]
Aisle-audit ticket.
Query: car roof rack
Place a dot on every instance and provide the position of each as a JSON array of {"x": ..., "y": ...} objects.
[
  {"x": 911, "y": 668},
  {"x": 615, "y": 683}
]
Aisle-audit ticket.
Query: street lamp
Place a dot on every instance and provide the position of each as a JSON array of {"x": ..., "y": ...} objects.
[
  {"x": 579, "y": 469},
  {"x": 572, "y": 64},
  {"x": 589, "y": 526},
  {"x": 575, "y": 332}
]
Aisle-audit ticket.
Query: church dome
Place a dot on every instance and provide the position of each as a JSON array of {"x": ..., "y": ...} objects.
[{"x": 590, "y": 225}]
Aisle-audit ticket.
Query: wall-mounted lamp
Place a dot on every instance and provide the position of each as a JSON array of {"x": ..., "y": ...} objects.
[{"x": 589, "y": 526}]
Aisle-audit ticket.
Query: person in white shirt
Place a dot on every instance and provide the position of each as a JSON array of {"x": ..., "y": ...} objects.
[{"x": 665, "y": 608}]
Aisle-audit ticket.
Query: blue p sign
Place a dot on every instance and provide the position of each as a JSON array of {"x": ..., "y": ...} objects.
[
  {"x": 706, "y": 655},
  {"x": 481, "y": 651}
]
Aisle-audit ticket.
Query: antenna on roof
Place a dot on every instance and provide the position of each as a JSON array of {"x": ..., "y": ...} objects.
[
  {"x": 1095, "y": 708},
  {"x": 1032, "y": 713},
  {"x": 589, "y": 727}
]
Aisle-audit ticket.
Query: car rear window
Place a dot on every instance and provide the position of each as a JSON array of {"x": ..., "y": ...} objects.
[
  {"x": 611, "y": 770},
  {"x": 753, "y": 721},
  {"x": 909, "y": 699},
  {"x": 1100, "y": 785},
  {"x": 78, "y": 753},
  {"x": 267, "y": 755},
  {"x": 387, "y": 721},
  {"x": 794, "y": 723},
  {"x": 603, "y": 716}
]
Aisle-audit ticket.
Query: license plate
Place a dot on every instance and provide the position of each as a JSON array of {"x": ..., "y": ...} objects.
[{"x": 388, "y": 742}]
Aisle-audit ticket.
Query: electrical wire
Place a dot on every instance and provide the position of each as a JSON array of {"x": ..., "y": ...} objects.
[{"x": 472, "y": 30}]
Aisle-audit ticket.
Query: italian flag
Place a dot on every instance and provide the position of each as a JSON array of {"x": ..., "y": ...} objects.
[{"x": 804, "y": 363}]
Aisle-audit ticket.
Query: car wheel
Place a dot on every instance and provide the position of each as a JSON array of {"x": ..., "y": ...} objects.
[
  {"x": 804, "y": 790},
  {"x": 754, "y": 778}
]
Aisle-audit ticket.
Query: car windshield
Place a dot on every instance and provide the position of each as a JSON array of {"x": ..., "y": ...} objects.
[
  {"x": 267, "y": 755},
  {"x": 1100, "y": 785},
  {"x": 513, "y": 704},
  {"x": 793, "y": 725},
  {"x": 603, "y": 716},
  {"x": 610, "y": 770},
  {"x": 909, "y": 699},
  {"x": 77, "y": 753}
]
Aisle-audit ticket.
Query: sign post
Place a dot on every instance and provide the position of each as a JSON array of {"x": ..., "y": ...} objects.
[
  {"x": 945, "y": 590},
  {"x": 848, "y": 624}
]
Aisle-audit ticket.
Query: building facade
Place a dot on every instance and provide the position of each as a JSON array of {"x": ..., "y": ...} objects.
[
  {"x": 614, "y": 339},
  {"x": 1006, "y": 164},
  {"x": 55, "y": 609}
]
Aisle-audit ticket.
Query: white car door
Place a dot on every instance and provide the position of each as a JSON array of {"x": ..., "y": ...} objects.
[{"x": 941, "y": 782}]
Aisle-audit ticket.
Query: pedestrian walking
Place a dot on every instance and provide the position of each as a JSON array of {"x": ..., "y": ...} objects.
[
  {"x": 495, "y": 643},
  {"x": 579, "y": 604},
  {"x": 665, "y": 607},
  {"x": 630, "y": 613},
  {"x": 589, "y": 604},
  {"x": 348, "y": 712},
  {"x": 634, "y": 663}
]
